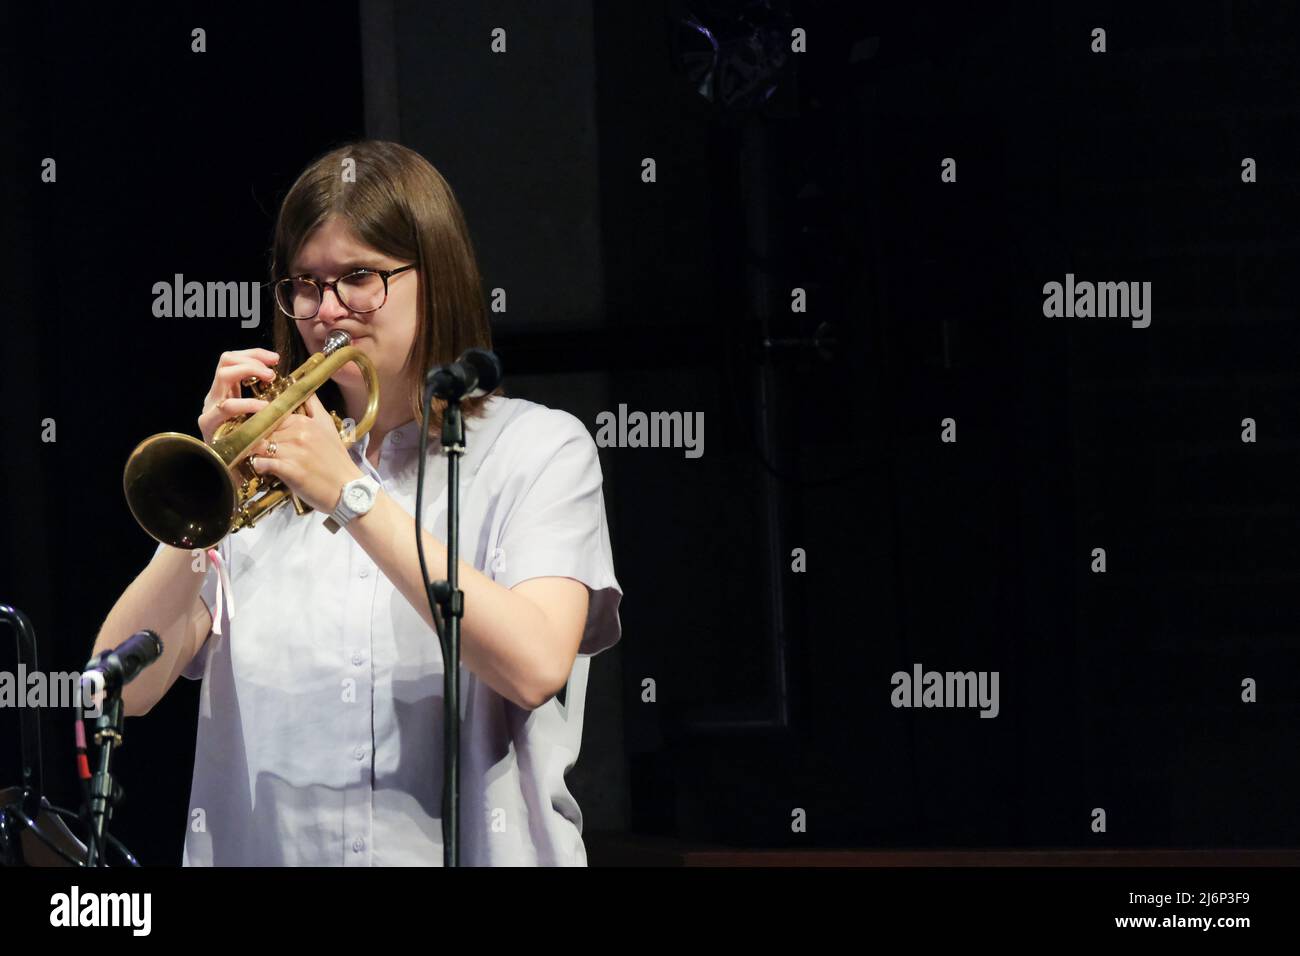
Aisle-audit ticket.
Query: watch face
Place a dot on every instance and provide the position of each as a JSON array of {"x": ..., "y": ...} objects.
[{"x": 358, "y": 496}]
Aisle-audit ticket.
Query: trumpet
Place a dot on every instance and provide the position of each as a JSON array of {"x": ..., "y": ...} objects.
[{"x": 190, "y": 494}]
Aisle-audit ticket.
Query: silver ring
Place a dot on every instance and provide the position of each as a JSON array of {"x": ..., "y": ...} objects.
[{"x": 270, "y": 449}]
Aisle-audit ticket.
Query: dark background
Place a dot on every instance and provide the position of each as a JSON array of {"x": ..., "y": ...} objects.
[{"x": 1119, "y": 690}]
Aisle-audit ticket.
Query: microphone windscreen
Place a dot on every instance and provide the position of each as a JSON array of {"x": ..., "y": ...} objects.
[{"x": 487, "y": 365}]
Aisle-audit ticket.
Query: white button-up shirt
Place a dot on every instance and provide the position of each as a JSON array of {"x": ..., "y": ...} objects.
[{"x": 321, "y": 713}]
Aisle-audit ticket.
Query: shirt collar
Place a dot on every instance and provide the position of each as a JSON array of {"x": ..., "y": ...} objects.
[
  {"x": 404, "y": 437},
  {"x": 407, "y": 437}
]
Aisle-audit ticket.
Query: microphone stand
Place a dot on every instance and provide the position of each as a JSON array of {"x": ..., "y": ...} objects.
[
  {"x": 29, "y": 725},
  {"x": 446, "y": 605},
  {"x": 33, "y": 812},
  {"x": 103, "y": 792}
]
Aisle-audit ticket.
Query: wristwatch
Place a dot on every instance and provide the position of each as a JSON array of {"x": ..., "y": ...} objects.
[{"x": 357, "y": 498}]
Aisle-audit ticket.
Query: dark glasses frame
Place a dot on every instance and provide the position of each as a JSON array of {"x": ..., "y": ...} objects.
[{"x": 322, "y": 287}]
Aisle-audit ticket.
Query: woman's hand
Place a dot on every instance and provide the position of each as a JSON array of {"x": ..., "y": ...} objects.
[
  {"x": 225, "y": 398},
  {"x": 310, "y": 456}
]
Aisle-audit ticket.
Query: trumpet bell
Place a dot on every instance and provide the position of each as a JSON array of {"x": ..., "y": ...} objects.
[{"x": 180, "y": 491}]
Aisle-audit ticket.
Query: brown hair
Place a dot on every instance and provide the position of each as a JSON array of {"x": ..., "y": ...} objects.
[{"x": 400, "y": 205}]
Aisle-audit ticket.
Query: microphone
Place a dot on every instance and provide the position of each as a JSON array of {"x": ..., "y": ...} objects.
[
  {"x": 476, "y": 373},
  {"x": 123, "y": 664}
]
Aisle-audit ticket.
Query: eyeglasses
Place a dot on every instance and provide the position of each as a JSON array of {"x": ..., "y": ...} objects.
[{"x": 365, "y": 290}]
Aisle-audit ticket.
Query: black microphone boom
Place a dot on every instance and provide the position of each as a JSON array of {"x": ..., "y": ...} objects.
[{"x": 475, "y": 373}]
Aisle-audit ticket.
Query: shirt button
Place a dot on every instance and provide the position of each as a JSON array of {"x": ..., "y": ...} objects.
[
  {"x": 357, "y": 658},
  {"x": 397, "y": 438},
  {"x": 360, "y": 753},
  {"x": 365, "y": 572},
  {"x": 358, "y": 845}
]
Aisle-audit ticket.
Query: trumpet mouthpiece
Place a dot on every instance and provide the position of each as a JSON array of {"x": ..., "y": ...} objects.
[{"x": 335, "y": 341}]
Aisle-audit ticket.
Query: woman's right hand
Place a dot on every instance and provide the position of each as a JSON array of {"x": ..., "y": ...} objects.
[{"x": 225, "y": 399}]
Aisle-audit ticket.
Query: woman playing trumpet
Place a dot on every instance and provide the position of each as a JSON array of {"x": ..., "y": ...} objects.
[{"x": 320, "y": 729}]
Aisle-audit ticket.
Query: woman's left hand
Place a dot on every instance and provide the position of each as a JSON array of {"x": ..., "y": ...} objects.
[{"x": 310, "y": 457}]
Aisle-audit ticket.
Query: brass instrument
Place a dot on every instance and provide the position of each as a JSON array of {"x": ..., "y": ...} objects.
[{"x": 189, "y": 494}]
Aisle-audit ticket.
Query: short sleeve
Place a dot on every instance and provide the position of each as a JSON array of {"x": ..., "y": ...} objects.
[
  {"x": 195, "y": 669},
  {"x": 556, "y": 527}
]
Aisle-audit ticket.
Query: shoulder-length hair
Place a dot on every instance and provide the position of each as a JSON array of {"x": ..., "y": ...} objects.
[{"x": 395, "y": 201}]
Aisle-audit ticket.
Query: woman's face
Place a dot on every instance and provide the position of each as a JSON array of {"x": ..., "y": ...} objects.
[{"x": 385, "y": 335}]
